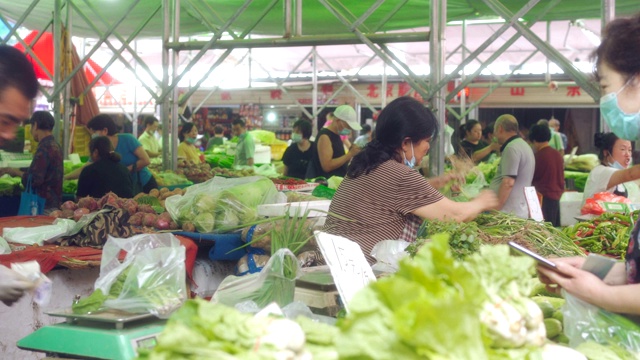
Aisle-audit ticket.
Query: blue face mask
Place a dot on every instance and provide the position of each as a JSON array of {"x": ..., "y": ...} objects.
[
  {"x": 345, "y": 132},
  {"x": 94, "y": 135},
  {"x": 190, "y": 140},
  {"x": 410, "y": 163},
  {"x": 617, "y": 165},
  {"x": 625, "y": 126}
]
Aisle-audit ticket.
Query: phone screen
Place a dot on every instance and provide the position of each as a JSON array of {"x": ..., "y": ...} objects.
[{"x": 541, "y": 260}]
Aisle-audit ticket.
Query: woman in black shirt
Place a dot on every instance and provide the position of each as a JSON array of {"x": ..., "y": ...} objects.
[
  {"x": 105, "y": 174},
  {"x": 297, "y": 156}
]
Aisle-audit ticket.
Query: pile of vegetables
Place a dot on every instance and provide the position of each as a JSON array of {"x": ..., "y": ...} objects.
[
  {"x": 448, "y": 309},
  {"x": 203, "y": 330},
  {"x": 583, "y": 163},
  {"x": 499, "y": 228},
  {"x": 169, "y": 178},
  {"x": 219, "y": 160},
  {"x": 10, "y": 186},
  {"x": 69, "y": 186},
  {"x": 579, "y": 179},
  {"x": 488, "y": 170},
  {"x": 607, "y": 234}
]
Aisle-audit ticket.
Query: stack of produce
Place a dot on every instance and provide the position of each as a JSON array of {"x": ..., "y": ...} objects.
[
  {"x": 219, "y": 160},
  {"x": 582, "y": 163},
  {"x": 169, "y": 178},
  {"x": 69, "y": 186},
  {"x": 10, "y": 186},
  {"x": 199, "y": 173},
  {"x": 608, "y": 234},
  {"x": 499, "y": 228}
]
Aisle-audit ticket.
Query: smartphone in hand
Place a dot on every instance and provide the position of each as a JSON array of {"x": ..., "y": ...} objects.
[{"x": 541, "y": 260}]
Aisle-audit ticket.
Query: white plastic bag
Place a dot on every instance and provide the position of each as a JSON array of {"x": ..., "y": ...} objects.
[
  {"x": 271, "y": 284},
  {"x": 152, "y": 276},
  {"x": 39, "y": 234},
  {"x": 4, "y": 246},
  {"x": 388, "y": 254}
]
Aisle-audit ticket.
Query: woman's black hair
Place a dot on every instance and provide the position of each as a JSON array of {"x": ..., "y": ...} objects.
[
  {"x": 540, "y": 133},
  {"x": 467, "y": 127},
  {"x": 620, "y": 46},
  {"x": 305, "y": 128},
  {"x": 186, "y": 128},
  {"x": 104, "y": 147},
  {"x": 404, "y": 117},
  {"x": 103, "y": 121},
  {"x": 604, "y": 142},
  {"x": 43, "y": 119}
]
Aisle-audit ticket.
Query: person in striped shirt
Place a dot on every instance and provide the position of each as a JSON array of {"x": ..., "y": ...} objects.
[{"x": 383, "y": 197}]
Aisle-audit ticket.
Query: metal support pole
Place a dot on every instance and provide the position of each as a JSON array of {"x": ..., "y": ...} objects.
[
  {"x": 68, "y": 108},
  {"x": 438, "y": 20},
  {"x": 57, "y": 70},
  {"x": 175, "y": 61},
  {"x": 135, "y": 96},
  {"x": 288, "y": 12},
  {"x": 298, "y": 30},
  {"x": 314, "y": 91},
  {"x": 608, "y": 14},
  {"x": 164, "y": 105},
  {"x": 463, "y": 52},
  {"x": 383, "y": 100}
]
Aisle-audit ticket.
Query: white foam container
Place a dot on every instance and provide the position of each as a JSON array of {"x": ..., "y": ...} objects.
[
  {"x": 296, "y": 208},
  {"x": 570, "y": 204}
]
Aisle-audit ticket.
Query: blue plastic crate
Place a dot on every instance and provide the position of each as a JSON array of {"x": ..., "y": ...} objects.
[{"x": 223, "y": 244}]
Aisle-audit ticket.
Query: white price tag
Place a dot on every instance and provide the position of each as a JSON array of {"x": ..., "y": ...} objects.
[
  {"x": 535, "y": 211},
  {"x": 349, "y": 268}
]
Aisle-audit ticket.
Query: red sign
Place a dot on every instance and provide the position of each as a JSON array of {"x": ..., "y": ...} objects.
[
  {"x": 373, "y": 91},
  {"x": 573, "y": 91},
  {"x": 276, "y": 94},
  {"x": 517, "y": 91},
  {"x": 327, "y": 89},
  {"x": 225, "y": 95},
  {"x": 403, "y": 89}
]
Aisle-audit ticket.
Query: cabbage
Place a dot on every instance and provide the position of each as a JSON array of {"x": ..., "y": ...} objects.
[
  {"x": 227, "y": 219},
  {"x": 250, "y": 194},
  {"x": 204, "y": 222},
  {"x": 334, "y": 182},
  {"x": 204, "y": 203}
]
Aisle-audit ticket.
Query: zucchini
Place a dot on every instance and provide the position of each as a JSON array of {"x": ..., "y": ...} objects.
[{"x": 553, "y": 327}]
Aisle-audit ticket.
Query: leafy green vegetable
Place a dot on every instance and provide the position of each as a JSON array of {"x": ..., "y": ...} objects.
[
  {"x": 69, "y": 186},
  {"x": 334, "y": 182},
  {"x": 89, "y": 304},
  {"x": 579, "y": 179},
  {"x": 10, "y": 186},
  {"x": 204, "y": 222}
]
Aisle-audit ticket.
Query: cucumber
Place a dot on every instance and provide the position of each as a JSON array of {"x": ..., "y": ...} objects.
[
  {"x": 547, "y": 308},
  {"x": 553, "y": 327},
  {"x": 558, "y": 315},
  {"x": 555, "y": 302}
]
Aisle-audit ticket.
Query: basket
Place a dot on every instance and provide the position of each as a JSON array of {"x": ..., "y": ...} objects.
[{"x": 81, "y": 139}]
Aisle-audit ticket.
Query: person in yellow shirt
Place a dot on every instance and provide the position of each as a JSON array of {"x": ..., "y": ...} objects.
[
  {"x": 187, "y": 148},
  {"x": 148, "y": 139}
]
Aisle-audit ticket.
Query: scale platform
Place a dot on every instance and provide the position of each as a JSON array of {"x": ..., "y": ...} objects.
[
  {"x": 316, "y": 289},
  {"x": 108, "y": 334}
]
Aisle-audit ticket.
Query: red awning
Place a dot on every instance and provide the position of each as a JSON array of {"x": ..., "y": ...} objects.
[{"x": 43, "y": 49}]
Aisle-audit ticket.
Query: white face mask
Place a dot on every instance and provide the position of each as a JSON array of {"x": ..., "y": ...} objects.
[
  {"x": 625, "y": 126},
  {"x": 410, "y": 163}
]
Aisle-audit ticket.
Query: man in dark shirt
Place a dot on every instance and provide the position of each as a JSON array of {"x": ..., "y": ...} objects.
[{"x": 548, "y": 177}]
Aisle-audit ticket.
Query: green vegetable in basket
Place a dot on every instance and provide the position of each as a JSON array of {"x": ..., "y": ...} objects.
[{"x": 204, "y": 222}]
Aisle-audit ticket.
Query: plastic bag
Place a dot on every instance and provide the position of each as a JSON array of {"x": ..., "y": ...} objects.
[
  {"x": 42, "y": 286},
  {"x": 472, "y": 190},
  {"x": 273, "y": 283},
  {"x": 252, "y": 263},
  {"x": 39, "y": 234},
  {"x": 388, "y": 254},
  {"x": 586, "y": 322},
  {"x": 260, "y": 234},
  {"x": 4, "y": 246},
  {"x": 232, "y": 202},
  {"x": 593, "y": 205},
  {"x": 152, "y": 277}
]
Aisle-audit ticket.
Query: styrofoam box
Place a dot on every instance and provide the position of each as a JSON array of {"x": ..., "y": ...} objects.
[
  {"x": 570, "y": 204},
  {"x": 262, "y": 155},
  {"x": 296, "y": 208}
]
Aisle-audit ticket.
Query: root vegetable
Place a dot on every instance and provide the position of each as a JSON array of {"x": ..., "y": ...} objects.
[
  {"x": 79, "y": 213},
  {"x": 56, "y": 213},
  {"x": 136, "y": 219},
  {"x": 154, "y": 192},
  {"x": 68, "y": 205},
  {"x": 109, "y": 199},
  {"x": 188, "y": 226},
  {"x": 131, "y": 206},
  {"x": 88, "y": 202},
  {"x": 67, "y": 214},
  {"x": 149, "y": 220},
  {"x": 161, "y": 224},
  {"x": 146, "y": 209},
  {"x": 173, "y": 225}
]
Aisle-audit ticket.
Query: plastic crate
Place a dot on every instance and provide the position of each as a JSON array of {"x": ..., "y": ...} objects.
[
  {"x": 223, "y": 244},
  {"x": 81, "y": 139}
]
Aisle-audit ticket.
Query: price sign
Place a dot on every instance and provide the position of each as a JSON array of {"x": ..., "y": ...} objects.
[
  {"x": 349, "y": 268},
  {"x": 535, "y": 212}
]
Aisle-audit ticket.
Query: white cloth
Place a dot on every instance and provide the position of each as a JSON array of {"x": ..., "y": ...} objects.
[{"x": 597, "y": 181}]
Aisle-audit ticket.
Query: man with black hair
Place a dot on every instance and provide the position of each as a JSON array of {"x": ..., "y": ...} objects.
[
  {"x": 18, "y": 88},
  {"x": 148, "y": 139},
  {"x": 548, "y": 176},
  {"x": 245, "y": 150}
]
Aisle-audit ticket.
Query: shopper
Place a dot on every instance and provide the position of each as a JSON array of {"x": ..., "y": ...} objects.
[
  {"x": 187, "y": 148},
  {"x": 614, "y": 170},
  {"x": 556, "y": 139},
  {"x": 217, "y": 139},
  {"x": 246, "y": 148},
  {"x": 365, "y": 136},
  {"x": 148, "y": 139},
  {"x": 330, "y": 158},
  {"x": 297, "y": 156},
  {"x": 554, "y": 124},
  {"x": 548, "y": 177},
  {"x": 515, "y": 170},
  {"x": 382, "y": 196},
  {"x": 472, "y": 144},
  {"x": 618, "y": 69},
  {"x": 18, "y": 88},
  {"x": 46, "y": 170},
  {"x": 134, "y": 157},
  {"x": 105, "y": 174}
]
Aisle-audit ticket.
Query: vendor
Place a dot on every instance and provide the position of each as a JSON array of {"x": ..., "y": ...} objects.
[
  {"x": 187, "y": 148},
  {"x": 246, "y": 148},
  {"x": 217, "y": 139},
  {"x": 133, "y": 155},
  {"x": 297, "y": 156},
  {"x": 618, "y": 69},
  {"x": 614, "y": 170},
  {"x": 330, "y": 158},
  {"x": 105, "y": 173},
  {"x": 383, "y": 197},
  {"x": 148, "y": 139},
  {"x": 46, "y": 169},
  {"x": 472, "y": 144}
]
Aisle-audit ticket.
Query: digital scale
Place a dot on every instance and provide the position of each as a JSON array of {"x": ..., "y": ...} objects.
[
  {"x": 316, "y": 289},
  {"x": 109, "y": 334}
]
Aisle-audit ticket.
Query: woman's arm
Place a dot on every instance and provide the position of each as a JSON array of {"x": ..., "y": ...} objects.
[
  {"x": 325, "y": 154},
  {"x": 446, "y": 209},
  {"x": 143, "y": 158},
  {"x": 623, "y": 176},
  {"x": 482, "y": 153}
]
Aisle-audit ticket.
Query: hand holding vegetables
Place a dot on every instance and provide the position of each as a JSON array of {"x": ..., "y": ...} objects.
[{"x": 577, "y": 282}]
